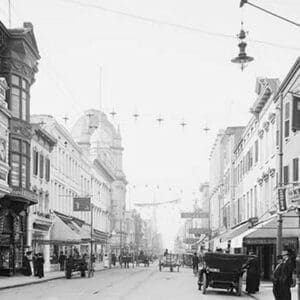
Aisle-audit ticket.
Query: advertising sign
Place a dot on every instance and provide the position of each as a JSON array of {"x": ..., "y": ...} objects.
[
  {"x": 190, "y": 240},
  {"x": 196, "y": 215},
  {"x": 81, "y": 204},
  {"x": 294, "y": 196},
  {"x": 282, "y": 199},
  {"x": 198, "y": 231}
]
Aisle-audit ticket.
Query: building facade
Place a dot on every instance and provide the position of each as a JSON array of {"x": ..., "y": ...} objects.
[
  {"x": 19, "y": 56},
  {"x": 40, "y": 220}
]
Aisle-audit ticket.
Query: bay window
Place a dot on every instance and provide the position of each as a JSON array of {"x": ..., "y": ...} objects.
[
  {"x": 19, "y": 98},
  {"x": 20, "y": 158}
]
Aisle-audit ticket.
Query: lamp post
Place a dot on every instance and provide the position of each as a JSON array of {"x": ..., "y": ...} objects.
[
  {"x": 91, "y": 250},
  {"x": 268, "y": 12}
]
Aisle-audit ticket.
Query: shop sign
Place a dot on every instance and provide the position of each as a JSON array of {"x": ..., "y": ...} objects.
[
  {"x": 82, "y": 204},
  {"x": 282, "y": 199},
  {"x": 294, "y": 195},
  {"x": 21, "y": 192},
  {"x": 198, "y": 231},
  {"x": 194, "y": 215},
  {"x": 190, "y": 240}
]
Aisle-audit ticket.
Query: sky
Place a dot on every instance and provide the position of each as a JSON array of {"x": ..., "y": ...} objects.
[{"x": 96, "y": 58}]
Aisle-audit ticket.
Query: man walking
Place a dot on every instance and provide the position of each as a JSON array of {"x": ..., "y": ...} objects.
[
  {"x": 253, "y": 274},
  {"x": 195, "y": 262},
  {"x": 61, "y": 260},
  {"x": 277, "y": 279},
  {"x": 289, "y": 265}
]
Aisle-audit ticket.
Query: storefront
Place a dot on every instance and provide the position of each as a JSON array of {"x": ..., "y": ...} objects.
[
  {"x": 261, "y": 239},
  {"x": 13, "y": 230},
  {"x": 40, "y": 232}
]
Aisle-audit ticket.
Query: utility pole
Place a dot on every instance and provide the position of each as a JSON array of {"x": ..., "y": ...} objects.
[{"x": 280, "y": 181}]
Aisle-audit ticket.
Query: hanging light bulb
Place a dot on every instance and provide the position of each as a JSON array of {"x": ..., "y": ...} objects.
[
  {"x": 243, "y": 59},
  {"x": 113, "y": 113}
]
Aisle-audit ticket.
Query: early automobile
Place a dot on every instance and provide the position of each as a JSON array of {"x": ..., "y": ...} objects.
[
  {"x": 223, "y": 271},
  {"x": 169, "y": 261}
]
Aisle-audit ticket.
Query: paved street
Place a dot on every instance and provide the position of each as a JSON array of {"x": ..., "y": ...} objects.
[{"x": 130, "y": 284}]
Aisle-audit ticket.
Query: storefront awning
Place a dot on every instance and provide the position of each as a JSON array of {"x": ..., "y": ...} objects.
[
  {"x": 266, "y": 232},
  {"x": 62, "y": 233}
]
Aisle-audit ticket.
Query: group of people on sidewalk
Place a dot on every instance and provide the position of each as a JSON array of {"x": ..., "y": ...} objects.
[{"x": 33, "y": 264}]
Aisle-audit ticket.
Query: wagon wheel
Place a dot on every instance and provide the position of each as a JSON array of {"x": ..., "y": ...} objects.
[
  {"x": 204, "y": 283},
  {"x": 239, "y": 287}
]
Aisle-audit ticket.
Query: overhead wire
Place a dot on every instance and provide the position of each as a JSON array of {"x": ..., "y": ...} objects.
[{"x": 172, "y": 24}]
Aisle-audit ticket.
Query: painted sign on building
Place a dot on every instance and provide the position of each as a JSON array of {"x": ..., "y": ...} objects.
[{"x": 82, "y": 204}]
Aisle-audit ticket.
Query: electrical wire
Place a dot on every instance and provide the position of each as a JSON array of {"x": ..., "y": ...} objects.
[{"x": 171, "y": 24}]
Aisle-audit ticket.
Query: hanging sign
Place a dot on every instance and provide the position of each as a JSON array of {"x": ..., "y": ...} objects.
[
  {"x": 294, "y": 196},
  {"x": 282, "y": 199},
  {"x": 82, "y": 204},
  {"x": 191, "y": 215}
]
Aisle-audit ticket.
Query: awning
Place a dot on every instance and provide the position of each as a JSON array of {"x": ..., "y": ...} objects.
[
  {"x": 235, "y": 232},
  {"x": 266, "y": 232},
  {"x": 100, "y": 236},
  {"x": 62, "y": 233}
]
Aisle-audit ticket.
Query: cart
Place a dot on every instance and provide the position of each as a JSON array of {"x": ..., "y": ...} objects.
[
  {"x": 75, "y": 265},
  {"x": 223, "y": 271},
  {"x": 169, "y": 261}
]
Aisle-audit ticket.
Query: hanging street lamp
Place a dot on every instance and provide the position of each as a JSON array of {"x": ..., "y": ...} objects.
[{"x": 243, "y": 59}]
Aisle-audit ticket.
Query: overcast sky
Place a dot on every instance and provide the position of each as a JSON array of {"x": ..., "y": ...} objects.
[{"x": 155, "y": 69}]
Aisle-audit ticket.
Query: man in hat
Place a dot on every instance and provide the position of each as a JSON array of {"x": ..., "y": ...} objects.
[
  {"x": 277, "y": 278},
  {"x": 253, "y": 274},
  {"x": 289, "y": 265}
]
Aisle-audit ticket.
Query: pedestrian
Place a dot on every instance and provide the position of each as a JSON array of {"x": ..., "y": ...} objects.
[
  {"x": 288, "y": 268},
  {"x": 253, "y": 274},
  {"x": 166, "y": 252},
  {"x": 277, "y": 279},
  {"x": 26, "y": 264},
  {"x": 40, "y": 265},
  {"x": 195, "y": 263},
  {"x": 34, "y": 257},
  {"x": 106, "y": 261},
  {"x": 113, "y": 259},
  {"x": 62, "y": 260}
]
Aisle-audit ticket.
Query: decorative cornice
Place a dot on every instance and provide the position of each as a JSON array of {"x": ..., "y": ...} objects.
[
  {"x": 260, "y": 181},
  {"x": 8, "y": 64},
  {"x": 260, "y": 133},
  {"x": 266, "y": 126},
  {"x": 272, "y": 172},
  {"x": 272, "y": 117},
  {"x": 265, "y": 176}
]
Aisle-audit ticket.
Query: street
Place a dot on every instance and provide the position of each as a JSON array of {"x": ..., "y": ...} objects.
[{"x": 124, "y": 284}]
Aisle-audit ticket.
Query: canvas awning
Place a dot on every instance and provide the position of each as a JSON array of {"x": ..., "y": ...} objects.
[
  {"x": 62, "y": 233},
  {"x": 266, "y": 232}
]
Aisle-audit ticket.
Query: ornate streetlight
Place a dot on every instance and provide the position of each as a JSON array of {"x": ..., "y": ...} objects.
[{"x": 243, "y": 59}]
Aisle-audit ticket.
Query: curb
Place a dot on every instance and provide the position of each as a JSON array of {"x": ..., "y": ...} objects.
[{"x": 40, "y": 281}]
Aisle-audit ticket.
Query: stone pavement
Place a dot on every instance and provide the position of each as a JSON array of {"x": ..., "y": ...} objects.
[{"x": 21, "y": 280}]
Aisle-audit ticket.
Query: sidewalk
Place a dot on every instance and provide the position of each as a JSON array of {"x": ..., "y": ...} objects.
[
  {"x": 266, "y": 292},
  {"x": 21, "y": 280}
]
